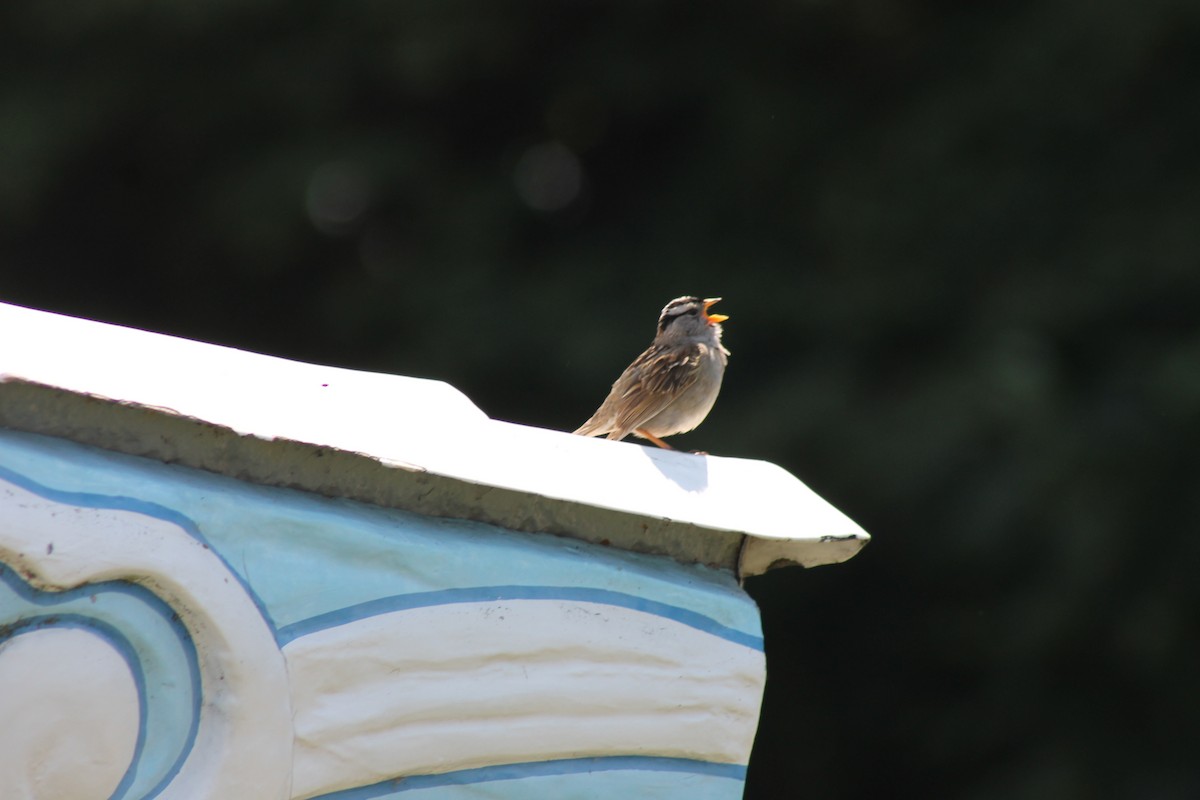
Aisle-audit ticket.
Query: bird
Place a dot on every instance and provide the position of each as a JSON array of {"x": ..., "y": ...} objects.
[{"x": 671, "y": 387}]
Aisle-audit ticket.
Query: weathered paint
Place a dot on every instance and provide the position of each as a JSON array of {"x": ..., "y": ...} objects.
[{"x": 324, "y": 648}]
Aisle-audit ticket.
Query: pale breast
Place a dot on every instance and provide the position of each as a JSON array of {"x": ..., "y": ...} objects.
[{"x": 690, "y": 408}]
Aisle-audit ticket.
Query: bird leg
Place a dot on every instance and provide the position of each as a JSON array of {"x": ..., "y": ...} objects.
[{"x": 647, "y": 435}]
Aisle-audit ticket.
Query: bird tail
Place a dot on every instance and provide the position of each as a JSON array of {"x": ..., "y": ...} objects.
[
  {"x": 591, "y": 428},
  {"x": 595, "y": 427}
]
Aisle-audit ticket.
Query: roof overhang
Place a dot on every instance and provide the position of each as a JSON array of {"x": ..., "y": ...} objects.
[{"x": 400, "y": 442}]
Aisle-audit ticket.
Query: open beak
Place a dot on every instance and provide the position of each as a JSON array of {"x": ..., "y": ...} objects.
[{"x": 714, "y": 318}]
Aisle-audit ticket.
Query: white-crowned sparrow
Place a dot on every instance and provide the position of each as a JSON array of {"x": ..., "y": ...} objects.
[{"x": 672, "y": 386}]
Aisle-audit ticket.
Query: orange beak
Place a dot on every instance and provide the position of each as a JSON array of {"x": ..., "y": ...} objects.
[{"x": 714, "y": 318}]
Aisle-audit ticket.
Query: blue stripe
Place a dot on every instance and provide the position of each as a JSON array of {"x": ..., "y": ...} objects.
[
  {"x": 156, "y": 511},
  {"x": 121, "y": 643},
  {"x": 477, "y": 594},
  {"x": 123, "y": 503},
  {"x": 534, "y": 769}
]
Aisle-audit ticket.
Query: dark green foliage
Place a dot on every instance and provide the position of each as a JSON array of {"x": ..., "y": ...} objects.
[{"x": 959, "y": 243}]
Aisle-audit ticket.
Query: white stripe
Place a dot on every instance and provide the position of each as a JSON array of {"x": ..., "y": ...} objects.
[{"x": 451, "y": 687}]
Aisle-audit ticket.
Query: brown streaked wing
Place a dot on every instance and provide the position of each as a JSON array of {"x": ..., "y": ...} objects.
[{"x": 658, "y": 376}]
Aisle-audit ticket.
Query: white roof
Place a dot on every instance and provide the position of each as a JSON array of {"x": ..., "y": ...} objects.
[{"x": 403, "y": 442}]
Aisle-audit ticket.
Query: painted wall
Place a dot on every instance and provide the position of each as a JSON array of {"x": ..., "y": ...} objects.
[{"x": 169, "y": 633}]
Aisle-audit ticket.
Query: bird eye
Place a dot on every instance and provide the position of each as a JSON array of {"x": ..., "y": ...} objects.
[{"x": 692, "y": 311}]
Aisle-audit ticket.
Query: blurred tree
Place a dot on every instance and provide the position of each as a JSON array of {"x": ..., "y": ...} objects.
[{"x": 958, "y": 244}]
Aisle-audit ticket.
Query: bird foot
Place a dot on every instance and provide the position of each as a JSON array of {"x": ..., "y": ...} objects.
[{"x": 645, "y": 434}]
